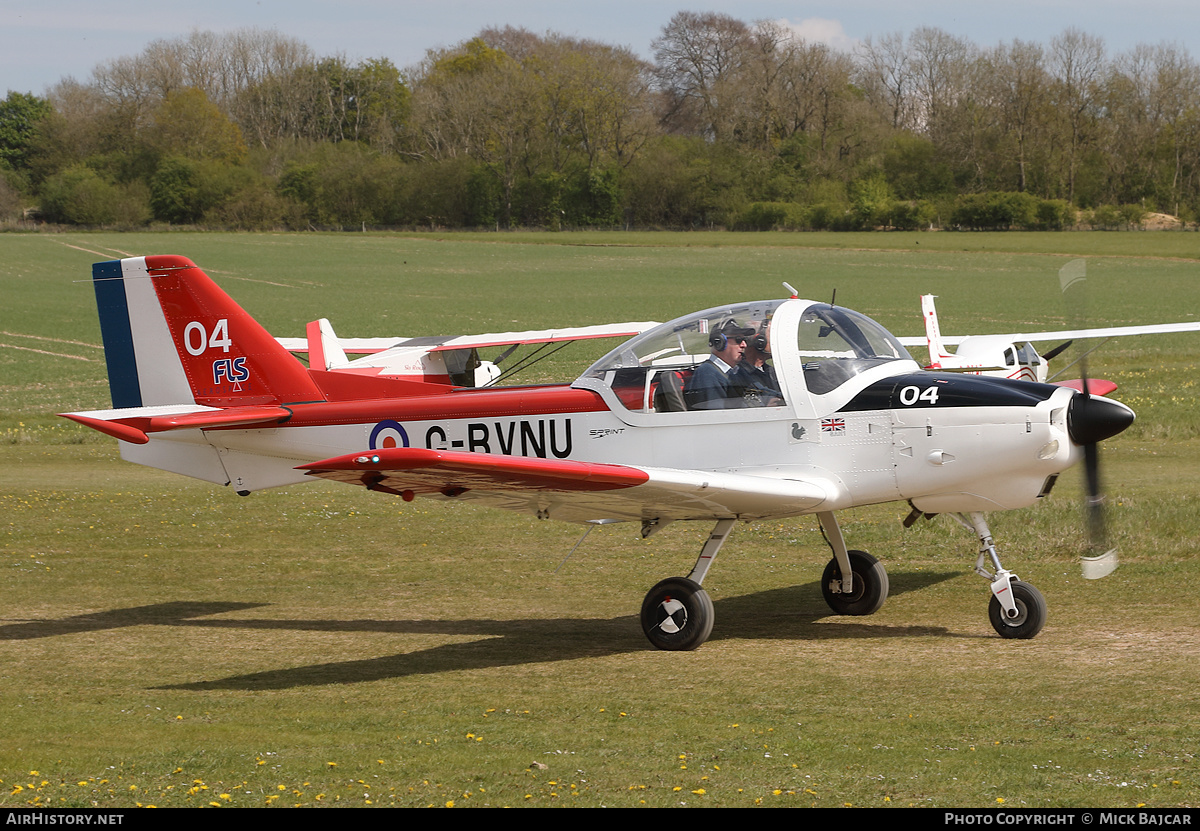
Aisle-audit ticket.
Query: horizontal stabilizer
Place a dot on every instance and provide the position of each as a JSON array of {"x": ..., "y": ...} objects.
[{"x": 133, "y": 424}]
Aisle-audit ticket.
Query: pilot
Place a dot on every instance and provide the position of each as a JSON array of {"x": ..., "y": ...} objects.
[
  {"x": 715, "y": 385},
  {"x": 756, "y": 375}
]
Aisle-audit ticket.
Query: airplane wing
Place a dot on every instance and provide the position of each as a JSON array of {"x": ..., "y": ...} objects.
[
  {"x": 446, "y": 343},
  {"x": 358, "y": 346},
  {"x": 1068, "y": 334},
  {"x": 609, "y": 330},
  {"x": 571, "y": 490}
]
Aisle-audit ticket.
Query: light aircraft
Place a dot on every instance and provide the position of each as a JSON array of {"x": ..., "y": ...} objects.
[
  {"x": 440, "y": 360},
  {"x": 201, "y": 389},
  {"x": 1014, "y": 355}
]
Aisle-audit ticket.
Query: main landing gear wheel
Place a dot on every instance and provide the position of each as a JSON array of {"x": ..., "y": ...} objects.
[
  {"x": 677, "y": 614},
  {"x": 868, "y": 590},
  {"x": 1031, "y": 612}
]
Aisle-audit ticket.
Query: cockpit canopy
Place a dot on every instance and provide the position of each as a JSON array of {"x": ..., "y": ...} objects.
[{"x": 655, "y": 371}]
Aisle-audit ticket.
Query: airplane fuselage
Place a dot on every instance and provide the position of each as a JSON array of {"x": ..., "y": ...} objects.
[{"x": 913, "y": 436}]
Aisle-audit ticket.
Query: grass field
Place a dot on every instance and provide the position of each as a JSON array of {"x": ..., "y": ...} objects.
[{"x": 164, "y": 642}]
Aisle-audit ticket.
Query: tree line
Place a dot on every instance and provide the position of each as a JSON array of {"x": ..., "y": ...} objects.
[{"x": 731, "y": 124}]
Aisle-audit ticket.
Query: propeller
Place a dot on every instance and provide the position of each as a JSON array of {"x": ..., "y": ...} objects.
[
  {"x": 1090, "y": 420},
  {"x": 1058, "y": 350}
]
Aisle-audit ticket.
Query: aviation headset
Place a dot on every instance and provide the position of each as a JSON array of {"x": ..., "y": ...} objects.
[
  {"x": 759, "y": 341},
  {"x": 718, "y": 340}
]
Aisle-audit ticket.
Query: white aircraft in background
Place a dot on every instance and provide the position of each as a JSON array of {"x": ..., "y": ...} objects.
[
  {"x": 441, "y": 360},
  {"x": 1014, "y": 355}
]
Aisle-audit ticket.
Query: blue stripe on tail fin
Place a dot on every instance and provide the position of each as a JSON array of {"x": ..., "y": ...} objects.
[{"x": 115, "y": 328}]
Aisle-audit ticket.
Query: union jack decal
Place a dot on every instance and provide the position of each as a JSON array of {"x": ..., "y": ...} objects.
[{"x": 833, "y": 425}]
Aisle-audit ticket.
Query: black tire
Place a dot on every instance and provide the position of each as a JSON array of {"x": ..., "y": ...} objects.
[
  {"x": 677, "y": 614},
  {"x": 1031, "y": 613},
  {"x": 869, "y": 591}
]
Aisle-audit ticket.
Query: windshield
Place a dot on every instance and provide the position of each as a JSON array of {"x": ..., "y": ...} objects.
[
  {"x": 715, "y": 359},
  {"x": 835, "y": 344}
]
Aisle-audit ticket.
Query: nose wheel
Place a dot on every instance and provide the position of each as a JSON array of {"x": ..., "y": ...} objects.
[
  {"x": 1017, "y": 610},
  {"x": 1024, "y": 621}
]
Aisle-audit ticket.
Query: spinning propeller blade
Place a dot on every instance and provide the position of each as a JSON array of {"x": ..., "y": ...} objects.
[{"x": 1091, "y": 419}]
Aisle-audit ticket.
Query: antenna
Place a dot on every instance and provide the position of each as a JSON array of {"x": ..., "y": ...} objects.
[{"x": 787, "y": 286}]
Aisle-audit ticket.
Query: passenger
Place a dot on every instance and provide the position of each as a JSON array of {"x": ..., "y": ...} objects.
[
  {"x": 756, "y": 375},
  {"x": 715, "y": 385}
]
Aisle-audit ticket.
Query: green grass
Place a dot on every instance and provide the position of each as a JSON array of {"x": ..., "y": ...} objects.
[{"x": 165, "y": 642}]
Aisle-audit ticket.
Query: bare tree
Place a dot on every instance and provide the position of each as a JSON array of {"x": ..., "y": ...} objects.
[
  {"x": 698, "y": 58},
  {"x": 886, "y": 68},
  {"x": 1175, "y": 101},
  {"x": 1018, "y": 92},
  {"x": 940, "y": 64},
  {"x": 1152, "y": 98},
  {"x": 1077, "y": 65}
]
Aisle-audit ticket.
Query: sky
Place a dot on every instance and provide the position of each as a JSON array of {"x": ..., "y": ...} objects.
[{"x": 44, "y": 42}]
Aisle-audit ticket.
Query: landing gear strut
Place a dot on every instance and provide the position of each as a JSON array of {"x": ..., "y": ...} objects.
[
  {"x": 677, "y": 614},
  {"x": 1017, "y": 609}
]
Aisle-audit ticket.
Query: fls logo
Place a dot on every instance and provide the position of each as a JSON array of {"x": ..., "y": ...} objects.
[{"x": 231, "y": 369}]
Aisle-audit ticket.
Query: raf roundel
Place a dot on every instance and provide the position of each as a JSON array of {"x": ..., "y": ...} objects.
[{"x": 388, "y": 434}]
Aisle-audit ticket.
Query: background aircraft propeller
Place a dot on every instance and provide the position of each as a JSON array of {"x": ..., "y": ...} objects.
[{"x": 1056, "y": 351}]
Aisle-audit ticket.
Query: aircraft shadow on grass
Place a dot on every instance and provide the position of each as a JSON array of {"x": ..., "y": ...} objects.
[
  {"x": 161, "y": 614},
  {"x": 783, "y": 614}
]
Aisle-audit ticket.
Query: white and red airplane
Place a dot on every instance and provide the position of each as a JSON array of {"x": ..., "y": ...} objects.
[
  {"x": 441, "y": 360},
  {"x": 652, "y": 433},
  {"x": 1014, "y": 355}
]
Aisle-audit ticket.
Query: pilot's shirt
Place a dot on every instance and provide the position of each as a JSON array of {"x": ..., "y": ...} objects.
[
  {"x": 761, "y": 378},
  {"x": 714, "y": 386}
]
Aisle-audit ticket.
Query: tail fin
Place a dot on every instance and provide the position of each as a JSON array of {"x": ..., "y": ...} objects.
[
  {"x": 933, "y": 334},
  {"x": 324, "y": 351},
  {"x": 172, "y": 336}
]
